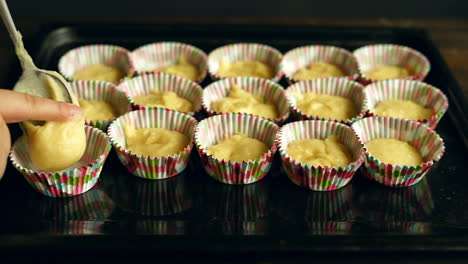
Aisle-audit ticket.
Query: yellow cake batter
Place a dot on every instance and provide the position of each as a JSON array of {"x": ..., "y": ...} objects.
[
  {"x": 164, "y": 99},
  {"x": 403, "y": 109},
  {"x": 315, "y": 152},
  {"x": 241, "y": 101},
  {"x": 387, "y": 72},
  {"x": 328, "y": 106},
  {"x": 99, "y": 72},
  {"x": 393, "y": 151},
  {"x": 245, "y": 68},
  {"x": 238, "y": 148},
  {"x": 95, "y": 110},
  {"x": 318, "y": 70},
  {"x": 154, "y": 142},
  {"x": 182, "y": 68}
]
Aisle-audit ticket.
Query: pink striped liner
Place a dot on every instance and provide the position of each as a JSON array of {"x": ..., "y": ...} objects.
[{"x": 424, "y": 139}]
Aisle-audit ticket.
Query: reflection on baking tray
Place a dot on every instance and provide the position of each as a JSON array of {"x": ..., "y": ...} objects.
[{"x": 161, "y": 227}]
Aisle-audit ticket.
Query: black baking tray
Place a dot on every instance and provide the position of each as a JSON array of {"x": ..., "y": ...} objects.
[{"x": 193, "y": 213}]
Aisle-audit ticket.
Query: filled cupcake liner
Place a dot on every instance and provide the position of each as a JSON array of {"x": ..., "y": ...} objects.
[
  {"x": 69, "y": 182},
  {"x": 313, "y": 177},
  {"x": 102, "y": 91},
  {"x": 153, "y": 167},
  {"x": 330, "y": 86},
  {"x": 245, "y": 51},
  {"x": 158, "y": 81},
  {"x": 302, "y": 57},
  {"x": 428, "y": 143},
  {"x": 216, "y": 128},
  {"x": 88, "y": 55},
  {"x": 150, "y": 57},
  {"x": 371, "y": 56},
  {"x": 422, "y": 93},
  {"x": 271, "y": 91}
]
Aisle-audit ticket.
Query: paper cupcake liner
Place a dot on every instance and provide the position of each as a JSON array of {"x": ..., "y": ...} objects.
[
  {"x": 419, "y": 92},
  {"x": 271, "y": 91},
  {"x": 146, "y": 83},
  {"x": 161, "y": 227},
  {"x": 319, "y": 178},
  {"x": 70, "y": 182},
  {"x": 244, "y": 51},
  {"x": 213, "y": 129},
  {"x": 83, "y": 56},
  {"x": 102, "y": 91},
  {"x": 424, "y": 139},
  {"x": 301, "y": 57},
  {"x": 153, "y": 167},
  {"x": 330, "y": 86},
  {"x": 153, "y": 56},
  {"x": 371, "y": 56}
]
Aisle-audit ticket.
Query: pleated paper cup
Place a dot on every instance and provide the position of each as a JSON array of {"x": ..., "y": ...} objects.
[
  {"x": 329, "y": 86},
  {"x": 419, "y": 92},
  {"x": 146, "y": 83},
  {"x": 271, "y": 91},
  {"x": 371, "y": 56},
  {"x": 102, "y": 91},
  {"x": 244, "y": 52},
  {"x": 146, "y": 166},
  {"x": 316, "y": 177},
  {"x": 81, "y": 57},
  {"x": 428, "y": 143},
  {"x": 216, "y": 128},
  {"x": 69, "y": 182},
  {"x": 301, "y": 57},
  {"x": 150, "y": 57}
]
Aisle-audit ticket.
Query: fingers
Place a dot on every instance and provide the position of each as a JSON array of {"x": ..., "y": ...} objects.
[
  {"x": 5, "y": 145},
  {"x": 18, "y": 107}
]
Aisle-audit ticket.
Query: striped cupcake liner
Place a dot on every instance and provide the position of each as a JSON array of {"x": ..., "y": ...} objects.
[
  {"x": 419, "y": 92},
  {"x": 302, "y": 57},
  {"x": 69, "y": 182},
  {"x": 88, "y": 55},
  {"x": 149, "y": 82},
  {"x": 271, "y": 91},
  {"x": 330, "y": 86},
  {"x": 150, "y": 57},
  {"x": 153, "y": 167},
  {"x": 371, "y": 56},
  {"x": 216, "y": 128},
  {"x": 245, "y": 52},
  {"x": 313, "y": 177},
  {"x": 424, "y": 139},
  {"x": 102, "y": 91}
]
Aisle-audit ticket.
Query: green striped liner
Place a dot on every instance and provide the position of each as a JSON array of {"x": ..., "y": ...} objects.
[
  {"x": 153, "y": 56},
  {"x": 146, "y": 83},
  {"x": 302, "y": 57},
  {"x": 330, "y": 86},
  {"x": 102, "y": 91},
  {"x": 419, "y": 92},
  {"x": 152, "y": 167},
  {"x": 271, "y": 91},
  {"x": 424, "y": 139},
  {"x": 245, "y": 51},
  {"x": 216, "y": 128}
]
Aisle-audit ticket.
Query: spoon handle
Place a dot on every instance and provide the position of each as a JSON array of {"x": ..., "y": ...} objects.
[{"x": 8, "y": 21}]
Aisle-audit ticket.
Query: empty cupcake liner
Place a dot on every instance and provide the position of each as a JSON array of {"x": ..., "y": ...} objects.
[
  {"x": 301, "y": 57},
  {"x": 146, "y": 83},
  {"x": 102, "y": 91},
  {"x": 271, "y": 91},
  {"x": 216, "y": 128},
  {"x": 371, "y": 56},
  {"x": 319, "y": 178},
  {"x": 422, "y": 93},
  {"x": 153, "y": 167},
  {"x": 424, "y": 139},
  {"x": 330, "y": 86},
  {"x": 72, "y": 181},
  {"x": 244, "y": 51},
  {"x": 83, "y": 56},
  {"x": 153, "y": 56}
]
